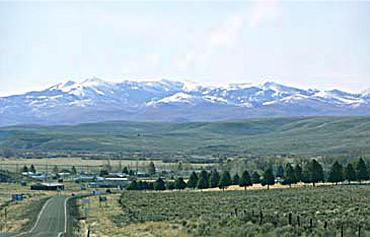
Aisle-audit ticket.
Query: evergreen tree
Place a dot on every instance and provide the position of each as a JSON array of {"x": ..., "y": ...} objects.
[
  {"x": 193, "y": 180},
  {"x": 214, "y": 179},
  {"x": 103, "y": 172},
  {"x": 151, "y": 168},
  {"x": 268, "y": 178},
  {"x": 119, "y": 166},
  {"x": 349, "y": 173},
  {"x": 317, "y": 172},
  {"x": 203, "y": 174},
  {"x": 280, "y": 171},
  {"x": 55, "y": 169},
  {"x": 24, "y": 169},
  {"x": 361, "y": 170},
  {"x": 245, "y": 180},
  {"x": 74, "y": 171},
  {"x": 170, "y": 185},
  {"x": 306, "y": 175},
  {"x": 133, "y": 185},
  {"x": 289, "y": 174},
  {"x": 159, "y": 184},
  {"x": 32, "y": 169},
  {"x": 125, "y": 170},
  {"x": 180, "y": 183},
  {"x": 202, "y": 182},
  {"x": 256, "y": 178},
  {"x": 150, "y": 185},
  {"x": 142, "y": 185},
  {"x": 336, "y": 173},
  {"x": 179, "y": 166},
  {"x": 236, "y": 179},
  {"x": 298, "y": 173},
  {"x": 225, "y": 180},
  {"x": 108, "y": 166},
  {"x": 313, "y": 172}
]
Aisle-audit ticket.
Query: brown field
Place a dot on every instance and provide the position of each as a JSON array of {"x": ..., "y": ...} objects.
[{"x": 100, "y": 221}]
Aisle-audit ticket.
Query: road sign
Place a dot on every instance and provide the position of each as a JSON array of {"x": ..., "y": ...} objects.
[
  {"x": 17, "y": 197},
  {"x": 86, "y": 210}
]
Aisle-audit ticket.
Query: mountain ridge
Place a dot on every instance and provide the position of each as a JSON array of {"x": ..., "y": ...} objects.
[
  {"x": 95, "y": 100},
  {"x": 329, "y": 136}
]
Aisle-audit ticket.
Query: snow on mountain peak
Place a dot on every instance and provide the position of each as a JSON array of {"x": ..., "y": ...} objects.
[
  {"x": 68, "y": 83},
  {"x": 65, "y": 86},
  {"x": 93, "y": 82},
  {"x": 269, "y": 85},
  {"x": 366, "y": 92},
  {"x": 176, "y": 98},
  {"x": 95, "y": 95},
  {"x": 239, "y": 86},
  {"x": 189, "y": 85},
  {"x": 338, "y": 97}
]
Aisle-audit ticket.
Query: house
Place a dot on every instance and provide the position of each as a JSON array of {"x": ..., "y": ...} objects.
[
  {"x": 87, "y": 179},
  {"x": 48, "y": 186}
]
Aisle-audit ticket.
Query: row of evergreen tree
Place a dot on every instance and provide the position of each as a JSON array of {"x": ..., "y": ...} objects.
[
  {"x": 25, "y": 169},
  {"x": 312, "y": 172},
  {"x": 55, "y": 169}
]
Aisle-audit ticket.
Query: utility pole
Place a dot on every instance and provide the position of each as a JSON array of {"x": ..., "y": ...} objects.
[{"x": 46, "y": 173}]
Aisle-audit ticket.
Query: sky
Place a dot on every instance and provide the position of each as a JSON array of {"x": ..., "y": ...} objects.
[{"x": 323, "y": 45}]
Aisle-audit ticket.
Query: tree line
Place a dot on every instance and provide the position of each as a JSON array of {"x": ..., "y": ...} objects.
[
  {"x": 55, "y": 169},
  {"x": 311, "y": 172}
]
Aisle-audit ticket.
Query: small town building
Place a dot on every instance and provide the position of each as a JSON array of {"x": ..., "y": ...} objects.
[{"x": 48, "y": 186}]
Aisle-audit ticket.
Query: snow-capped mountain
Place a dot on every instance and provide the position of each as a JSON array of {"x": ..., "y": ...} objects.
[{"x": 95, "y": 100}]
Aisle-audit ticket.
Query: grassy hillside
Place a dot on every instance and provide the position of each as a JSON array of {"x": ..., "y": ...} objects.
[{"x": 267, "y": 136}]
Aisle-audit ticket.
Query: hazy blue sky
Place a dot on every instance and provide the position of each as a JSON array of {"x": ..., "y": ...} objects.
[{"x": 314, "y": 44}]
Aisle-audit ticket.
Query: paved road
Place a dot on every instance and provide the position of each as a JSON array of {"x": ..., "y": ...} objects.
[{"x": 51, "y": 221}]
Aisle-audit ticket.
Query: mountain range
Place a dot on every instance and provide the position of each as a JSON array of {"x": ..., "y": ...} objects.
[{"x": 95, "y": 100}]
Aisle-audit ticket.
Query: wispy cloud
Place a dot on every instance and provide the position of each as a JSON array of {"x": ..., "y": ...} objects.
[
  {"x": 264, "y": 11},
  {"x": 228, "y": 35}
]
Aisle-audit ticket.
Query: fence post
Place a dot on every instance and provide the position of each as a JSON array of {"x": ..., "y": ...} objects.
[
  {"x": 261, "y": 217},
  {"x": 298, "y": 221},
  {"x": 359, "y": 231}
]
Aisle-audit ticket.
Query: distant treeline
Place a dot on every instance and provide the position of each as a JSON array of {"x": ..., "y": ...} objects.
[{"x": 312, "y": 172}]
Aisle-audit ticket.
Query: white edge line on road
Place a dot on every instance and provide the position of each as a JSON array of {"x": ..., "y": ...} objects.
[
  {"x": 38, "y": 217},
  {"x": 66, "y": 217}
]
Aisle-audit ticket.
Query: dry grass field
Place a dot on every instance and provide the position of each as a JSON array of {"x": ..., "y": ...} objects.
[
  {"x": 100, "y": 221},
  {"x": 331, "y": 209},
  {"x": 20, "y": 214}
]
